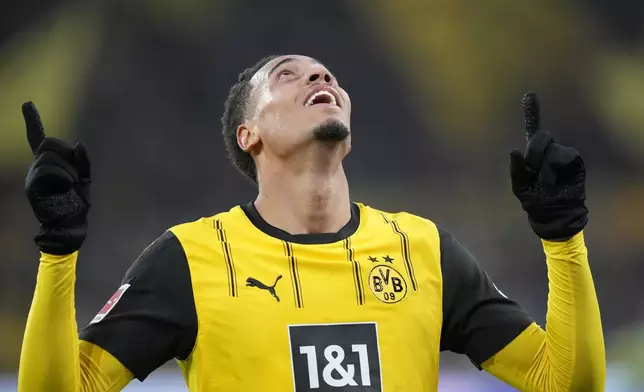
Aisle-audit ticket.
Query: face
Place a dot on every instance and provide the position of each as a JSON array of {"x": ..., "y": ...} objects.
[{"x": 295, "y": 101}]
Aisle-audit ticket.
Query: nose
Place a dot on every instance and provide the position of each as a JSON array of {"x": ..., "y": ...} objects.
[{"x": 320, "y": 74}]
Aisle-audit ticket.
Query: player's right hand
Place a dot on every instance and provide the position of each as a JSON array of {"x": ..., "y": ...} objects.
[{"x": 57, "y": 186}]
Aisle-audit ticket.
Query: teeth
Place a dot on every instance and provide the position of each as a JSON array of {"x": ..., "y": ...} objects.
[{"x": 319, "y": 93}]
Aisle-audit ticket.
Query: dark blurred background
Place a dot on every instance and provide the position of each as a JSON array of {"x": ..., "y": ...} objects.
[{"x": 436, "y": 88}]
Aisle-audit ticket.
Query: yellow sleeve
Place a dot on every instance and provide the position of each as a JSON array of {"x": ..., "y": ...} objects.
[
  {"x": 52, "y": 357},
  {"x": 100, "y": 371},
  {"x": 569, "y": 355}
]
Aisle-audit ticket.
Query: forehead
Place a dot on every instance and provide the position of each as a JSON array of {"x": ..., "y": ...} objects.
[{"x": 262, "y": 73}]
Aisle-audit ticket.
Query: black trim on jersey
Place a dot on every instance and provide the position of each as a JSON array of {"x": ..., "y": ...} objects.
[
  {"x": 155, "y": 320},
  {"x": 477, "y": 319},
  {"x": 306, "y": 239},
  {"x": 404, "y": 250},
  {"x": 357, "y": 271},
  {"x": 295, "y": 274},
  {"x": 228, "y": 256}
]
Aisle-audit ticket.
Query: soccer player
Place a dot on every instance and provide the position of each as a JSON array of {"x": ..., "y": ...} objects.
[{"x": 304, "y": 289}]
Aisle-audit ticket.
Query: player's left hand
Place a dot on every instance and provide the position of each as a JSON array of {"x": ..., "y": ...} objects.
[{"x": 549, "y": 180}]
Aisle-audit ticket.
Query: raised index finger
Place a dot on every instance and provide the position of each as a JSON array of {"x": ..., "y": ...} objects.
[
  {"x": 531, "y": 115},
  {"x": 35, "y": 130}
]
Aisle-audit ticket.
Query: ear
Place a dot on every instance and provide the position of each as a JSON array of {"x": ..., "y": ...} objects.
[{"x": 247, "y": 137}]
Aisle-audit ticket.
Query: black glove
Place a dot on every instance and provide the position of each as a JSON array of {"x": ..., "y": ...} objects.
[
  {"x": 57, "y": 186},
  {"x": 549, "y": 180}
]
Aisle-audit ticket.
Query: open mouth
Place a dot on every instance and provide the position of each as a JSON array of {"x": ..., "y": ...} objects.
[{"x": 321, "y": 97}]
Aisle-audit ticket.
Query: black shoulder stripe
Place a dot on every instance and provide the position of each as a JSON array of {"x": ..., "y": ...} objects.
[
  {"x": 295, "y": 274},
  {"x": 404, "y": 250},
  {"x": 357, "y": 271},
  {"x": 228, "y": 257}
]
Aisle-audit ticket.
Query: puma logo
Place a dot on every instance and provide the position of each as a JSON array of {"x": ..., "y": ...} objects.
[{"x": 251, "y": 282}]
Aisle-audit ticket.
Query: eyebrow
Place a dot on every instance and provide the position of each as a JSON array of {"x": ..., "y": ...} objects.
[{"x": 283, "y": 61}]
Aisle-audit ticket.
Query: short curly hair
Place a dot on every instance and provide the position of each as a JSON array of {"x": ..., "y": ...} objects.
[{"x": 234, "y": 114}]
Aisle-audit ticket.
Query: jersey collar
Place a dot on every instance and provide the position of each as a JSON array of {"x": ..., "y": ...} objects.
[{"x": 308, "y": 239}]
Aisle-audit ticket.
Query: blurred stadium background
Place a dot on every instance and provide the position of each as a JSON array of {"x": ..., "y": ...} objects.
[{"x": 435, "y": 84}]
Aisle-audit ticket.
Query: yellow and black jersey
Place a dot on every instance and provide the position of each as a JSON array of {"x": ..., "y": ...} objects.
[{"x": 244, "y": 306}]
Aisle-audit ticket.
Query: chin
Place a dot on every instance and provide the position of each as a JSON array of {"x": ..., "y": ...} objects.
[{"x": 331, "y": 130}]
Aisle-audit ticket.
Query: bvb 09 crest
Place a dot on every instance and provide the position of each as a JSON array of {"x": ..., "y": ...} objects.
[{"x": 387, "y": 284}]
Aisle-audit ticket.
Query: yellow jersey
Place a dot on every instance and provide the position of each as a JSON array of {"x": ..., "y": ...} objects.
[{"x": 244, "y": 306}]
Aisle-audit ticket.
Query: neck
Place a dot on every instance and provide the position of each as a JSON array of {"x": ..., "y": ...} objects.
[{"x": 305, "y": 202}]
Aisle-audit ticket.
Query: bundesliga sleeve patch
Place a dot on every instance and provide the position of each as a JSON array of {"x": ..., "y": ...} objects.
[{"x": 110, "y": 304}]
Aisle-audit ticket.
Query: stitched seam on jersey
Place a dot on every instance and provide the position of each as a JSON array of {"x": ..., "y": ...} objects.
[
  {"x": 404, "y": 249},
  {"x": 295, "y": 274},
  {"x": 357, "y": 272},
  {"x": 230, "y": 265}
]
